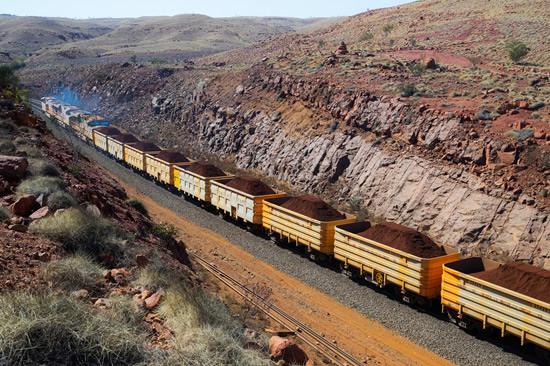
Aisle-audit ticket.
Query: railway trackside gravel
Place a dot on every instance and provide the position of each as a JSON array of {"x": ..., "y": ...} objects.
[{"x": 426, "y": 330}]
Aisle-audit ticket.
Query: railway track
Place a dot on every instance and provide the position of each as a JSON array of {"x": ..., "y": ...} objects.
[{"x": 338, "y": 356}]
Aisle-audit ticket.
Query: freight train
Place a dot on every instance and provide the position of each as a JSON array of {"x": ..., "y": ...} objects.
[{"x": 475, "y": 293}]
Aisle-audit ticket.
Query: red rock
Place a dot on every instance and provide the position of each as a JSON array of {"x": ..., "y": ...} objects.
[
  {"x": 18, "y": 227},
  {"x": 12, "y": 167},
  {"x": 286, "y": 350},
  {"x": 23, "y": 206},
  {"x": 507, "y": 157},
  {"x": 342, "y": 49},
  {"x": 40, "y": 213},
  {"x": 44, "y": 256},
  {"x": 153, "y": 300},
  {"x": 103, "y": 303},
  {"x": 540, "y": 135},
  {"x": 141, "y": 260},
  {"x": 430, "y": 64},
  {"x": 107, "y": 275},
  {"x": 119, "y": 272},
  {"x": 504, "y": 108},
  {"x": 145, "y": 294},
  {"x": 523, "y": 105},
  {"x": 83, "y": 293}
]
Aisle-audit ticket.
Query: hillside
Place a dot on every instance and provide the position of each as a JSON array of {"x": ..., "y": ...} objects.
[
  {"x": 23, "y": 36},
  {"x": 182, "y": 35},
  {"x": 410, "y": 133}
]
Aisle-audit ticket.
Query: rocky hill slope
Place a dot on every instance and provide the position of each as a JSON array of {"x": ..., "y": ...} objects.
[{"x": 418, "y": 136}]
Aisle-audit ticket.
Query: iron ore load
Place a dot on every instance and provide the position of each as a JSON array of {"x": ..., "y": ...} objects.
[
  {"x": 392, "y": 254},
  {"x": 305, "y": 220},
  {"x": 195, "y": 180},
  {"x": 476, "y": 293},
  {"x": 514, "y": 298},
  {"x": 242, "y": 198}
]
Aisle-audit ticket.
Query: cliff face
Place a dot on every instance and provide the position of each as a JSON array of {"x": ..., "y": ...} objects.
[{"x": 405, "y": 162}]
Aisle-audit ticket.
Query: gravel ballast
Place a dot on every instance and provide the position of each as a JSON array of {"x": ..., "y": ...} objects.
[{"x": 424, "y": 329}]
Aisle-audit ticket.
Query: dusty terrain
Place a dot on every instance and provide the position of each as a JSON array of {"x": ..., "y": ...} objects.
[{"x": 365, "y": 339}]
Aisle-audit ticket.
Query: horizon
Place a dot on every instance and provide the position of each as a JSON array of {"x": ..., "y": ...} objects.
[{"x": 214, "y": 9}]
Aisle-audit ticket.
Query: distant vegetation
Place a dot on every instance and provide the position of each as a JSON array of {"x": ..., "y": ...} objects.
[{"x": 516, "y": 50}]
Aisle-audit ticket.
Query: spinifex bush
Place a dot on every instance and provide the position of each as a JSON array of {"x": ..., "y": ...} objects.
[
  {"x": 73, "y": 273},
  {"x": 40, "y": 185},
  {"x": 43, "y": 167},
  {"x": 61, "y": 199},
  {"x": 48, "y": 329},
  {"x": 76, "y": 230}
]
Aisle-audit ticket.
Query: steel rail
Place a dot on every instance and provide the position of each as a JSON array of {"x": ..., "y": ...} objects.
[{"x": 330, "y": 350}]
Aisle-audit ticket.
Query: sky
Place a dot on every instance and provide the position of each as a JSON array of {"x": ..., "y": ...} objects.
[{"x": 214, "y": 8}]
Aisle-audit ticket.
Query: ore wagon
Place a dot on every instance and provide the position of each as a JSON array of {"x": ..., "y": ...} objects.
[
  {"x": 418, "y": 278},
  {"x": 161, "y": 165},
  {"x": 195, "y": 180},
  {"x": 241, "y": 198},
  {"x": 306, "y": 220},
  {"x": 115, "y": 144},
  {"x": 134, "y": 155},
  {"x": 475, "y": 303},
  {"x": 101, "y": 135}
]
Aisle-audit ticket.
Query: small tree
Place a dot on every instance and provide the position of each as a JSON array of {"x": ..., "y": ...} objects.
[
  {"x": 474, "y": 60},
  {"x": 7, "y": 77},
  {"x": 387, "y": 28},
  {"x": 366, "y": 36},
  {"x": 516, "y": 50},
  {"x": 321, "y": 44}
]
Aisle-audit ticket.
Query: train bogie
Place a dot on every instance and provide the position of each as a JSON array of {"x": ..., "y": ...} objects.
[
  {"x": 475, "y": 303},
  {"x": 384, "y": 265}
]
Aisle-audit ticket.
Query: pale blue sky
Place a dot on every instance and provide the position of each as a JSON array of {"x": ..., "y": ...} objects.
[{"x": 214, "y": 8}]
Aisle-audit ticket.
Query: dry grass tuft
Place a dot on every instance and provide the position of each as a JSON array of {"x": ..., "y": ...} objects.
[{"x": 73, "y": 273}]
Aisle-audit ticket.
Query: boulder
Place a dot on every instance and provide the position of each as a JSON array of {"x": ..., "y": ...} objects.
[
  {"x": 40, "y": 213},
  {"x": 430, "y": 64},
  {"x": 507, "y": 157},
  {"x": 83, "y": 294},
  {"x": 504, "y": 108},
  {"x": 286, "y": 350},
  {"x": 342, "y": 49},
  {"x": 24, "y": 205},
  {"x": 44, "y": 256},
  {"x": 522, "y": 104},
  {"x": 12, "y": 167},
  {"x": 540, "y": 135},
  {"x": 141, "y": 260},
  {"x": 18, "y": 227},
  {"x": 152, "y": 300}
]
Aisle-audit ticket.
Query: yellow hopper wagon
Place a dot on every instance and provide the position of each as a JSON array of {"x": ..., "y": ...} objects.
[
  {"x": 412, "y": 263},
  {"x": 195, "y": 180},
  {"x": 101, "y": 135},
  {"x": 134, "y": 155},
  {"x": 115, "y": 145},
  {"x": 514, "y": 298},
  {"x": 160, "y": 166},
  {"x": 242, "y": 198},
  {"x": 306, "y": 220}
]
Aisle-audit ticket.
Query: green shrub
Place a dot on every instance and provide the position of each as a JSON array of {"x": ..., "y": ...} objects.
[
  {"x": 516, "y": 50},
  {"x": 157, "y": 276},
  {"x": 387, "y": 28},
  {"x": 537, "y": 106},
  {"x": 7, "y": 148},
  {"x": 73, "y": 273},
  {"x": 164, "y": 230},
  {"x": 157, "y": 60},
  {"x": 521, "y": 135},
  {"x": 7, "y": 127},
  {"x": 61, "y": 199},
  {"x": 484, "y": 115},
  {"x": 543, "y": 193},
  {"x": 39, "y": 185},
  {"x": 333, "y": 126},
  {"x": 366, "y": 36},
  {"x": 417, "y": 69},
  {"x": 408, "y": 90},
  {"x": 76, "y": 230},
  {"x": 138, "y": 205},
  {"x": 4, "y": 213},
  {"x": 535, "y": 115},
  {"x": 62, "y": 330},
  {"x": 75, "y": 170},
  {"x": 43, "y": 167}
]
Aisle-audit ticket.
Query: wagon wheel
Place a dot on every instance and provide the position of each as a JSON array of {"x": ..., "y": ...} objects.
[{"x": 379, "y": 277}]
